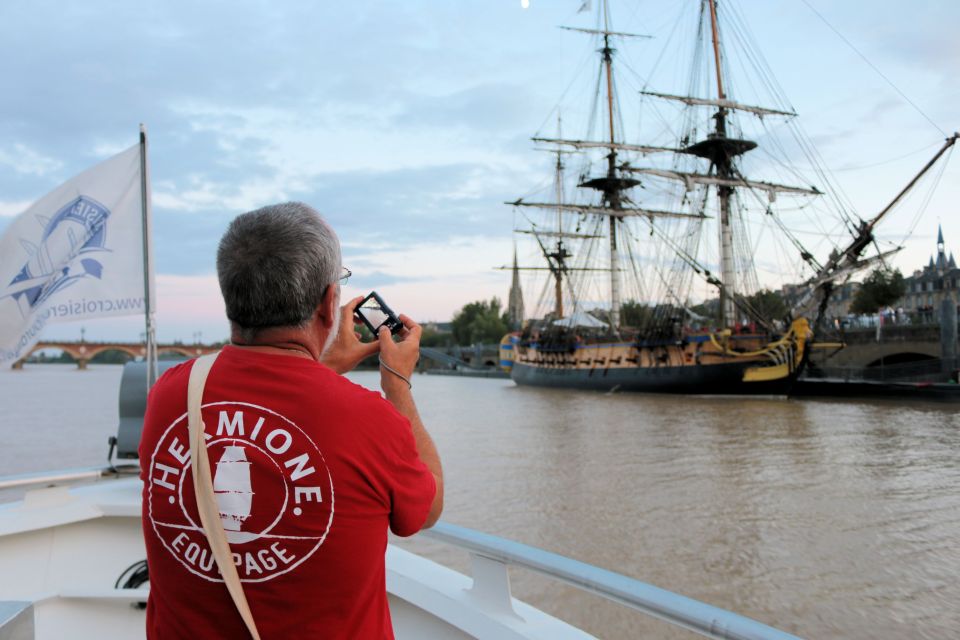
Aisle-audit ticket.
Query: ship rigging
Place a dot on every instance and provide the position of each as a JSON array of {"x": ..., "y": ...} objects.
[{"x": 643, "y": 231}]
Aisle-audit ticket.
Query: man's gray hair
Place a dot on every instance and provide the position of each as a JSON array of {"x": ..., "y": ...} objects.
[{"x": 274, "y": 265}]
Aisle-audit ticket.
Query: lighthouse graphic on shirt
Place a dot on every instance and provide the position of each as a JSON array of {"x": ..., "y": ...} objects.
[{"x": 231, "y": 485}]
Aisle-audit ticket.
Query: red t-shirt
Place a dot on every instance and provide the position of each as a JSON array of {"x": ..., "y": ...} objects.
[{"x": 309, "y": 471}]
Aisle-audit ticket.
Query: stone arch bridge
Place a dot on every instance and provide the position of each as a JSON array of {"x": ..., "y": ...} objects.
[
  {"x": 83, "y": 352},
  {"x": 897, "y": 345}
]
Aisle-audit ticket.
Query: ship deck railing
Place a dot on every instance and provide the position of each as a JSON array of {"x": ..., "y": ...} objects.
[
  {"x": 490, "y": 558},
  {"x": 16, "y": 620}
]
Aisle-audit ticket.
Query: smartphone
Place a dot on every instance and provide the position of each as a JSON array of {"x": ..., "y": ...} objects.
[{"x": 375, "y": 313}]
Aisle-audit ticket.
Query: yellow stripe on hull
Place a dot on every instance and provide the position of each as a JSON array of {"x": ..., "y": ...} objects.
[{"x": 765, "y": 374}]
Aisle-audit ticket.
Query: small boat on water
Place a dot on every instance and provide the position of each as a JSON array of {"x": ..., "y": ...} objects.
[
  {"x": 72, "y": 563},
  {"x": 679, "y": 202}
]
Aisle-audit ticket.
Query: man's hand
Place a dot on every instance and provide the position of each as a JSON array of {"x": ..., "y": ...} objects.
[
  {"x": 400, "y": 356},
  {"x": 347, "y": 351}
]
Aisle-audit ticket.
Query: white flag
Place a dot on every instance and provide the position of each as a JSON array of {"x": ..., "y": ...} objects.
[{"x": 76, "y": 253}]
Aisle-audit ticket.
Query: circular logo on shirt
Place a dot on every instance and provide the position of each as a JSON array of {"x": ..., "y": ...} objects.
[{"x": 272, "y": 486}]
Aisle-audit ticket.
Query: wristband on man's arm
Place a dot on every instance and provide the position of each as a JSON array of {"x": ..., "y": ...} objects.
[{"x": 395, "y": 372}]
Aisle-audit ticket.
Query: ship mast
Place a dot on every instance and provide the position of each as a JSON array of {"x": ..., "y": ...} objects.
[
  {"x": 724, "y": 167},
  {"x": 557, "y": 257},
  {"x": 612, "y": 183},
  {"x": 612, "y": 196},
  {"x": 720, "y": 151},
  {"x": 560, "y": 255}
]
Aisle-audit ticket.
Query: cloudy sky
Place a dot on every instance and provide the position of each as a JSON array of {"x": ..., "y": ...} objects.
[{"x": 407, "y": 123}]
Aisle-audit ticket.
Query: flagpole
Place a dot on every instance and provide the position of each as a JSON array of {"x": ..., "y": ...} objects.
[{"x": 151, "y": 334}]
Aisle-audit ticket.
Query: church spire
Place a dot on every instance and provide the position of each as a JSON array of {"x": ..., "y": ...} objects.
[
  {"x": 515, "y": 303},
  {"x": 941, "y": 255}
]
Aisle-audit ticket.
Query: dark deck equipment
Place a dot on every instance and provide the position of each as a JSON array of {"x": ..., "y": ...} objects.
[{"x": 133, "y": 405}]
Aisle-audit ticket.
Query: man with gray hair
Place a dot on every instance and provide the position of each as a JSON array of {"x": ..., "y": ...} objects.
[{"x": 309, "y": 469}]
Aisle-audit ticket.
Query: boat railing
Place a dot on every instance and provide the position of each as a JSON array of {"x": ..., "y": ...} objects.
[
  {"x": 49, "y": 478},
  {"x": 491, "y": 555},
  {"x": 16, "y": 620}
]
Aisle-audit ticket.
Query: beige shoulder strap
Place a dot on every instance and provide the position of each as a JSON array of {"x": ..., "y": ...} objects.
[{"x": 203, "y": 487}]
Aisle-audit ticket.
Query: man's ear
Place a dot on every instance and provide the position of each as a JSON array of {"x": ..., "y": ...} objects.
[{"x": 326, "y": 313}]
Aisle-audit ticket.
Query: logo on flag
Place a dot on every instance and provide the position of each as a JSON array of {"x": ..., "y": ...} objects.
[
  {"x": 75, "y": 254},
  {"x": 78, "y": 228}
]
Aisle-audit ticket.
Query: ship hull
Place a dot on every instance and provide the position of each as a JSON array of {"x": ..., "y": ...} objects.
[{"x": 714, "y": 379}]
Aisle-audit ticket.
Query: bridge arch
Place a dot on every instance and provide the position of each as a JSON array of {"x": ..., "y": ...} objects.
[
  {"x": 900, "y": 357},
  {"x": 871, "y": 354},
  {"x": 132, "y": 354},
  {"x": 83, "y": 352}
]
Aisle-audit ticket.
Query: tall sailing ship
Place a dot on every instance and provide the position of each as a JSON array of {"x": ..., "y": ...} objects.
[{"x": 624, "y": 250}]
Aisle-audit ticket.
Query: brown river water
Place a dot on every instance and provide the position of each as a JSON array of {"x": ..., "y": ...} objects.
[{"x": 827, "y": 519}]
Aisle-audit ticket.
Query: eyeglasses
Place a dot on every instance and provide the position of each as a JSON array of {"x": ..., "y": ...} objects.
[{"x": 344, "y": 276}]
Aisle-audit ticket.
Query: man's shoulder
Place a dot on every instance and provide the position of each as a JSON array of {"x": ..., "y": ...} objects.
[
  {"x": 176, "y": 372},
  {"x": 173, "y": 380},
  {"x": 166, "y": 400},
  {"x": 356, "y": 397},
  {"x": 369, "y": 410}
]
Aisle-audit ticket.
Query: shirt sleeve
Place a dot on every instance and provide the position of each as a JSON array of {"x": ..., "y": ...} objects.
[{"x": 411, "y": 484}]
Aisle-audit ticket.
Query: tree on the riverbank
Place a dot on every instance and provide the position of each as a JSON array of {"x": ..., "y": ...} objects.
[
  {"x": 768, "y": 305},
  {"x": 435, "y": 338},
  {"x": 633, "y": 314},
  {"x": 480, "y": 321},
  {"x": 881, "y": 289}
]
